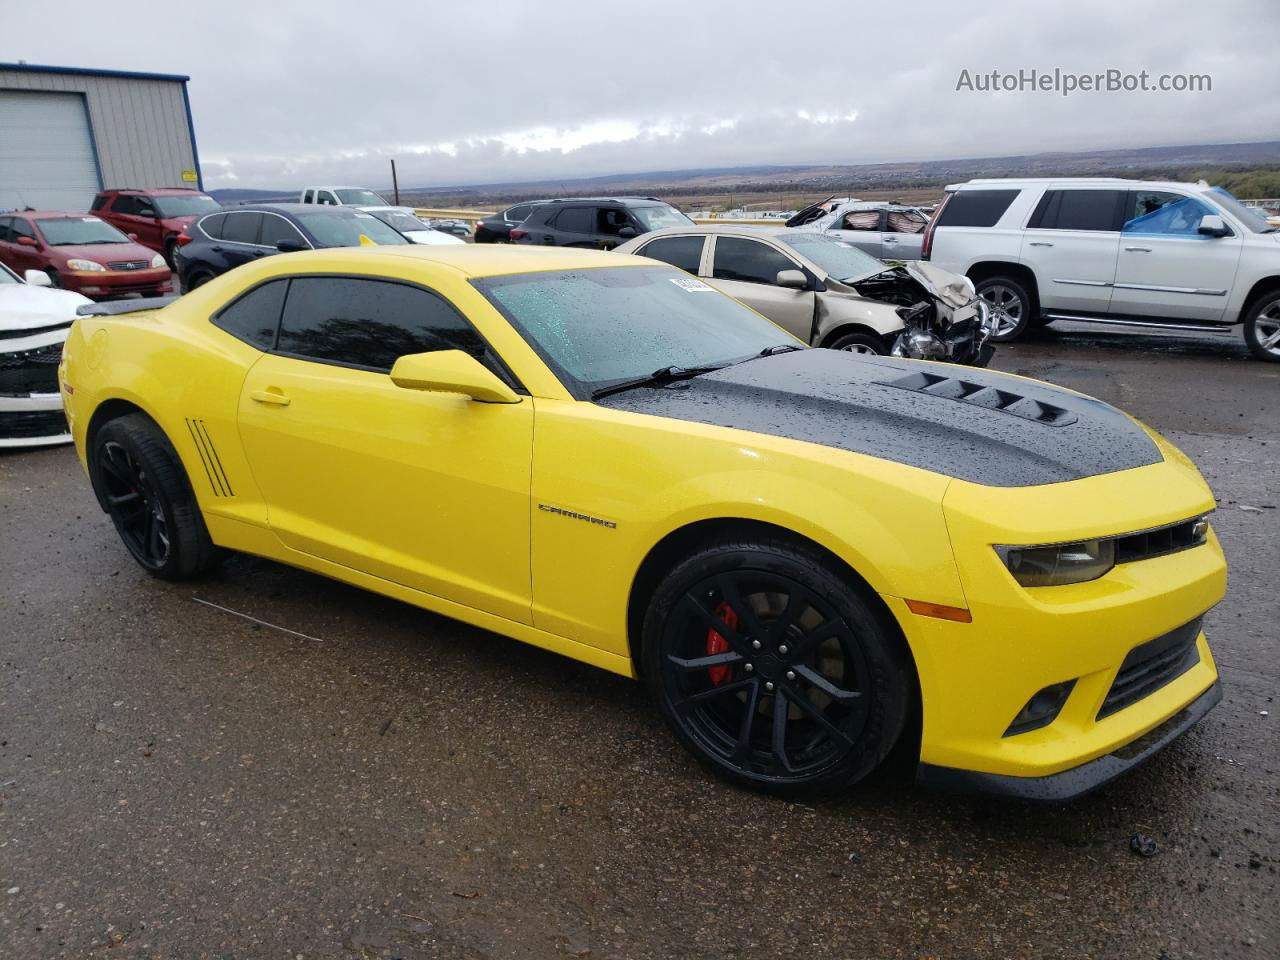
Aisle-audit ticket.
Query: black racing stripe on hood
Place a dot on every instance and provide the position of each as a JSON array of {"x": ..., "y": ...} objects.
[{"x": 1031, "y": 433}]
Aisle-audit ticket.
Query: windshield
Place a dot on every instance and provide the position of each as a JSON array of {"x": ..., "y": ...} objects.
[
  {"x": 660, "y": 215},
  {"x": 333, "y": 229},
  {"x": 185, "y": 206},
  {"x": 7, "y": 275},
  {"x": 76, "y": 230},
  {"x": 579, "y": 320},
  {"x": 1253, "y": 218},
  {"x": 362, "y": 198},
  {"x": 839, "y": 259},
  {"x": 404, "y": 222}
]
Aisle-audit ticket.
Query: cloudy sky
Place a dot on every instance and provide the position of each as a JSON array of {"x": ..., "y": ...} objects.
[{"x": 286, "y": 93}]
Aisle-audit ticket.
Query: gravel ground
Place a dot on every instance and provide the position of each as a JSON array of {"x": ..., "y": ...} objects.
[{"x": 180, "y": 782}]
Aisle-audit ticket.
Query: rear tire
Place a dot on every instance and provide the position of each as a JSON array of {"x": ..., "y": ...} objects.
[
  {"x": 139, "y": 476},
  {"x": 1012, "y": 307},
  {"x": 170, "y": 251},
  {"x": 199, "y": 280},
  {"x": 1262, "y": 327},
  {"x": 738, "y": 629},
  {"x": 865, "y": 343}
]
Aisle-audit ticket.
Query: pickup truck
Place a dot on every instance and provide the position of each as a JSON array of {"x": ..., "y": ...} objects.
[{"x": 342, "y": 197}]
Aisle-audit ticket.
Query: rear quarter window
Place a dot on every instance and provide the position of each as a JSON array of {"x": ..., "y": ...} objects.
[
  {"x": 254, "y": 317},
  {"x": 976, "y": 208}
]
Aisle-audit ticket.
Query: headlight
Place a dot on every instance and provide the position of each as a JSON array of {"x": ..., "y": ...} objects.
[
  {"x": 86, "y": 266},
  {"x": 1060, "y": 563},
  {"x": 157, "y": 261}
]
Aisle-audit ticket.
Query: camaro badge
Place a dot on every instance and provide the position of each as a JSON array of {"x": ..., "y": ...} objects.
[{"x": 577, "y": 516}]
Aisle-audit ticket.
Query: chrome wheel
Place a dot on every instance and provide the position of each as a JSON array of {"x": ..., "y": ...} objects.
[
  {"x": 860, "y": 348},
  {"x": 1007, "y": 309},
  {"x": 1267, "y": 329}
]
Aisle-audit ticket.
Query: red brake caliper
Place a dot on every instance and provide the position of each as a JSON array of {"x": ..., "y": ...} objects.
[{"x": 718, "y": 644}]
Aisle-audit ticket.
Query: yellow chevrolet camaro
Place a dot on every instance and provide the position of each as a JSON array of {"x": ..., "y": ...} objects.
[{"x": 806, "y": 554}]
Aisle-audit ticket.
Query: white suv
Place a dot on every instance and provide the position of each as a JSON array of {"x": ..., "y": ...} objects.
[{"x": 1145, "y": 253}]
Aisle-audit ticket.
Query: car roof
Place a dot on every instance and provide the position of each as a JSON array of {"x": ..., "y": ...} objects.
[
  {"x": 484, "y": 260},
  {"x": 154, "y": 191},
  {"x": 1115, "y": 183},
  {"x": 294, "y": 208},
  {"x": 729, "y": 229}
]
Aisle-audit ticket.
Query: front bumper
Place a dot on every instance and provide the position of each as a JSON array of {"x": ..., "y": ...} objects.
[
  {"x": 35, "y": 420},
  {"x": 109, "y": 284},
  {"x": 1077, "y": 781}
]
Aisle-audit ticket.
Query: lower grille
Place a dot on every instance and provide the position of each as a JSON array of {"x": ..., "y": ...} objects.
[
  {"x": 30, "y": 371},
  {"x": 1152, "y": 665},
  {"x": 24, "y": 425}
]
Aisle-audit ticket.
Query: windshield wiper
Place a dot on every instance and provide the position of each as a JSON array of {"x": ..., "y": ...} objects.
[
  {"x": 659, "y": 377},
  {"x": 778, "y": 348}
]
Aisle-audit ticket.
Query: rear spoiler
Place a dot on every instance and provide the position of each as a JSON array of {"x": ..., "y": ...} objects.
[{"x": 117, "y": 307}]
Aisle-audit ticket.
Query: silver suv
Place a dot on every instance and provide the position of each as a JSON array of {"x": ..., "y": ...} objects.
[
  {"x": 887, "y": 230},
  {"x": 1107, "y": 250}
]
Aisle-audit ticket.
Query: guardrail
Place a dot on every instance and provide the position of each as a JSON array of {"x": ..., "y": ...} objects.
[{"x": 442, "y": 213}]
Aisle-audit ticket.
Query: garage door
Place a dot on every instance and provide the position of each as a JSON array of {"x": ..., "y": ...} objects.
[{"x": 46, "y": 153}]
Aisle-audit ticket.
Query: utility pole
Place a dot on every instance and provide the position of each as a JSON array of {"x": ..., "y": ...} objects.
[{"x": 395, "y": 184}]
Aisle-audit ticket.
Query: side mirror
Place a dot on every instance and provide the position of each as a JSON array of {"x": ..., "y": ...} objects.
[
  {"x": 451, "y": 371},
  {"x": 1212, "y": 225},
  {"x": 133, "y": 237},
  {"x": 290, "y": 246},
  {"x": 28, "y": 242},
  {"x": 37, "y": 278},
  {"x": 147, "y": 212},
  {"x": 793, "y": 279},
  {"x": 626, "y": 233}
]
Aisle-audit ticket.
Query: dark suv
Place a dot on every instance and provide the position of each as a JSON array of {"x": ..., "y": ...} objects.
[
  {"x": 598, "y": 222},
  {"x": 223, "y": 240},
  {"x": 155, "y": 218},
  {"x": 497, "y": 227}
]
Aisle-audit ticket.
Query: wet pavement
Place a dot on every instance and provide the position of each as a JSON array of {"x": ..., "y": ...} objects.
[{"x": 177, "y": 781}]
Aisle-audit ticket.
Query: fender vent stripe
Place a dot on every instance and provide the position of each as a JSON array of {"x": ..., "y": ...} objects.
[
  {"x": 218, "y": 481},
  {"x": 983, "y": 396}
]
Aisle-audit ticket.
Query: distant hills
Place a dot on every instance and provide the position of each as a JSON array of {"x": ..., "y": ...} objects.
[{"x": 815, "y": 178}]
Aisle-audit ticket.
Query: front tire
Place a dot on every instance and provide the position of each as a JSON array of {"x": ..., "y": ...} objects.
[
  {"x": 772, "y": 669},
  {"x": 1012, "y": 306},
  {"x": 1262, "y": 327},
  {"x": 139, "y": 477},
  {"x": 864, "y": 343}
]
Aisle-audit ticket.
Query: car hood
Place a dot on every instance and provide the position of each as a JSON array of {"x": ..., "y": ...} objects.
[
  {"x": 951, "y": 288},
  {"x": 24, "y": 307},
  {"x": 966, "y": 423},
  {"x": 104, "y": 252}
]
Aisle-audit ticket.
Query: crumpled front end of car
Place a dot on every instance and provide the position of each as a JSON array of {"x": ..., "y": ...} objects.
[{"x": 1051, "y": 690}]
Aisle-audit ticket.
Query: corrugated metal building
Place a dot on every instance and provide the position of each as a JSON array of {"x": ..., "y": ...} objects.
[{"x": 66, "y": 133}]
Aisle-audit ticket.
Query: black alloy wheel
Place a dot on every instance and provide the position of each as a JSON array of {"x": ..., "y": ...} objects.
[
  {"x": 772, "y": 670},
  {"x": 140, "y": 481}
]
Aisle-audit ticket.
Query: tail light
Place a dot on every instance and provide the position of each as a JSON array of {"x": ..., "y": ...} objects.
[
  {"x": 517, "y": 233},
  {"x": 184, "y": 238},
  {"x": 926, "y": 245}
]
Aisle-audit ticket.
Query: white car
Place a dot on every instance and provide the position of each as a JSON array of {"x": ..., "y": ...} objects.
[
  {"x": 34, "y": 322},
  {"x": 1107, "y": 250},
  {"x": 403, "y": 219},
  {"x": 886, "y": 230}
]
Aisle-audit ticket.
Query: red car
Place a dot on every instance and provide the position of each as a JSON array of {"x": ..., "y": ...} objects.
[
  {"x": 82, "y": 253},
  {"x": 156, "y": 218}
]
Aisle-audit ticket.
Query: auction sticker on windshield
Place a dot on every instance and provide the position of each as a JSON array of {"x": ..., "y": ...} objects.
[{"x": 691, "y": 284}]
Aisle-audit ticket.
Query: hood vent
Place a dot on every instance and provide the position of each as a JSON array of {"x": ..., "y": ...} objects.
[{"x": 980, "y": 395}]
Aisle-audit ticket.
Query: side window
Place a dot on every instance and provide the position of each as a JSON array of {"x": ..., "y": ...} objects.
[
  {"x": 145, "y": 207},
  {"x": 369, "y": 323},
  {"x": 99, "y": 202},
  {"x": 682, "y": 252},
  {"x": 610, "y": 220},
  {"x": 125, "y": 204},
  {"x": 518, "y": 214},
  {"x": 20, "y": 228},
  {"x": 1167, "y": 214},
  {"x": 748, "y": 260},
  {"x": 324, "y": 196},
  {"x": 275, "y": 229},
  {"x": 860, "y": 220},
  {"x": 4, "y": 229},
  {"x": 976, "y": 208},
  {"x": 241, "y": 227},
  {"x": 905, "y": 221},
  {"x": 1077, "y": 210},
  {"x": 309, "y": 197},
  {"x": 576, "y": 220},
  {"x": 254, "y": 317},
  {"x": 212, "y": 225}
]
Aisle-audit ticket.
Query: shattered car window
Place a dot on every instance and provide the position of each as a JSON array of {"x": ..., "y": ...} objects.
[
  {"x": 861, "y": 220},
  {"x": 906, "y": 221}
]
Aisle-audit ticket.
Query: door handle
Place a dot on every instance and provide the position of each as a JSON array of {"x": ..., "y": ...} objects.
[
  {"x": 272, "y": 395},
  {"x": 216, "y": 248},
  {"x": 1138, "y": 249},
  {"x": 888, "y": 239},
  {"x": 1039, "y": 243}
]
